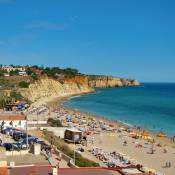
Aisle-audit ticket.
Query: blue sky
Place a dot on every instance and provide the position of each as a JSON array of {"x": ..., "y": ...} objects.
[{"x": 127, "y": 38}]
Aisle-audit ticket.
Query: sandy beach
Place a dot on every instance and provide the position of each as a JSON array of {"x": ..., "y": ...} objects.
[{"x": 112, "y": 137}]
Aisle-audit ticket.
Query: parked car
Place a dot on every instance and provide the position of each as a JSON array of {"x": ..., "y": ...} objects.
[
  {"x": 20, "y": 145},
  {"x": 19, "y": 136},
  {"x": 13, "y": 131},
  {"x": 11, "y": 147},
  {"x": 40, "y": 142},
  {"x": 7, "y": 131},
  {"x": 31, "y": 140}
]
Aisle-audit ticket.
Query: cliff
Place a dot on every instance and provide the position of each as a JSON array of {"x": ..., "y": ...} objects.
[
  {"x": 47, "y": 87},
  {"x": 109, "y": 81},
  {"x": 52, "y": 88}
]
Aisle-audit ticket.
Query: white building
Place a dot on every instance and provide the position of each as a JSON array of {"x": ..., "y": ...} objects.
[
  {"x": 22, "y": 73},
  {"x": 17, "y": 121},
  {"x": 11, "y": 68}
]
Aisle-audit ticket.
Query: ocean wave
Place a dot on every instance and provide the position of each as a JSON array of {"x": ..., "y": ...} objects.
[{"x": 74, "y": 97}]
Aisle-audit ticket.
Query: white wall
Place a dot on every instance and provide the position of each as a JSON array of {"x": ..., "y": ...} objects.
[
  {"x": 37, "y": 122},
  {"x": 16, "y": 123}
]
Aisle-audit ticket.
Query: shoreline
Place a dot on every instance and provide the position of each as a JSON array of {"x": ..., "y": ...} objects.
[
  {"x": 111, "y": 140},
  {"x": 59, "y": 102}
]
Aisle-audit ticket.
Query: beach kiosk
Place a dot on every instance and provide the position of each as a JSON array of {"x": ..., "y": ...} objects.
[{"x": 73, "y": 135}]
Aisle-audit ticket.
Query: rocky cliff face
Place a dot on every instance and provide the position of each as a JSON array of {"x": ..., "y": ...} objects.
[
  {"x": 52, "y": 88},
  {"x": 108, "y": 81},
  {"x": 80, "y": 84},
  {"x": 105, "y": 82}
]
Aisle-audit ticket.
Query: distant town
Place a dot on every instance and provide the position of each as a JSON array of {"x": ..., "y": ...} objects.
[{"x": 34, "y": 71}]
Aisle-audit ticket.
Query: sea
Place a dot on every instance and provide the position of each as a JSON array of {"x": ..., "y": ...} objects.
[{"x": 150, "y": 105}]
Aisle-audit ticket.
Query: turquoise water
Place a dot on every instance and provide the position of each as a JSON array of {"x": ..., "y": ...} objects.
[{"x": 151, "y": 105}]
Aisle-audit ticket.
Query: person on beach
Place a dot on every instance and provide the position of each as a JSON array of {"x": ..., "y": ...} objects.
[
  {"x": 125, "y": 143},
  {"x": 168, "y": 165},
  {"x": 93, "y": 140},
  {"x": 164, "y": 150}
]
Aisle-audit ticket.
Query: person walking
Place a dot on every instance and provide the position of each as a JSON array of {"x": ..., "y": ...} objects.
[{"x": 169, "y": 164}]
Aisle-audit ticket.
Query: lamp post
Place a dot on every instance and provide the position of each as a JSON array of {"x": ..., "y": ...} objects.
[
  {"x": 37, "y": 120},
  {"x": 27, "y": 143},
  {"x": 74, "y": 150},
  {"x": 76, "y": 138}
]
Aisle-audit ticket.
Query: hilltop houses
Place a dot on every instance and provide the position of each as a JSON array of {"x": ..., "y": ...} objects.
[
  {"x": 20, "y": 70},
  {"x": 13, "y": 68}
]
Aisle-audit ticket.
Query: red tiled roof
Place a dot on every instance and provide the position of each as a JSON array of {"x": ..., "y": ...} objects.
[
  {"x": 3, "y": 171},
  {"x": 47, "y": 170},
  {"x": 12, "y": 117}
]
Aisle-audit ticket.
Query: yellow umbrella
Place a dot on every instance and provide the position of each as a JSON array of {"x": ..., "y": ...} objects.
[
  {"x": 161, "y": 134},
  {"x": 145, "y": 134}
]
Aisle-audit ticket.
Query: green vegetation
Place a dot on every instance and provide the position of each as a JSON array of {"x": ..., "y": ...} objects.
[
  {"x": 2, "y": 72},
  {"x": 35, "y": 76},
  {"x": 62, "y": 146},
  {"x": 54, "y": 123},
  {"x": 14, "y": 72},
  {"x": 13, "y": 82},
  {"x": 53, "y": 72},
  {"x": 5, "y": 83},
  {"x": 29, "y": 71},
  {"x": 36, "y": 71},
  {"x": 23, "y": 84},
  {"x": 16, "y": 96},
  {"x": 56, "y": 72},
  {"x": 2, "y": 103}
]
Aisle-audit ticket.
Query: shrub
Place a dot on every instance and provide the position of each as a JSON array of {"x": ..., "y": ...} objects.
[
  {"x": 23, "y": 84},
  {"x": 14, "y": 72},
  {"x": 16, "y": 95},
  {"x": 2, "y": 103},
  {"x": 34, "y": 76},
  {"x": 54, "y": 123}
]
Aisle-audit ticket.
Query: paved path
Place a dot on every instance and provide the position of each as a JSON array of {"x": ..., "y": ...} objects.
[
  {"x": 62, "y": 163},
  {"x": 54, "y": 161}
]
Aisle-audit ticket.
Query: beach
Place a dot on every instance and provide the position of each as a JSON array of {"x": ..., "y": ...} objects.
[{"x": 109, "y": 136}]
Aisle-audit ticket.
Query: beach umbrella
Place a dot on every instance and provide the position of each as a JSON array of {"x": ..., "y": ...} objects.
[
  {"x": 132, "y": 134},
  {"x": 111, "y": 125},
  {"x": 145, "y": 133},
  {"x": 161, "y": 134},
  {"x": 122, "y": 128},
  {"x": 152, "y": 171}
]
